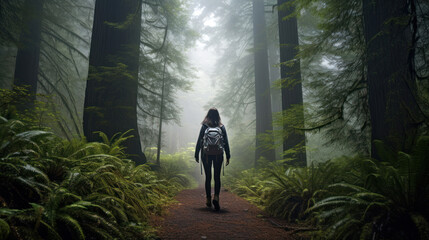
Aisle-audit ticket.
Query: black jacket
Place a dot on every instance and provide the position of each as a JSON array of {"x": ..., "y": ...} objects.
[{"x": 200, "y": 140}]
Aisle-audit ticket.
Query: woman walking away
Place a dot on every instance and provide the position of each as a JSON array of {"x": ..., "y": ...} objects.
[{"x": 212, "y": 142}]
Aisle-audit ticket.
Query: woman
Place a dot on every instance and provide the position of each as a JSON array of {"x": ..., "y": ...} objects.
[{"x": 212, "y": 120}]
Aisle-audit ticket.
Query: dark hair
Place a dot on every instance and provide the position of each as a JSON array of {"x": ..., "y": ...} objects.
[{"x": 212, "y": 118}]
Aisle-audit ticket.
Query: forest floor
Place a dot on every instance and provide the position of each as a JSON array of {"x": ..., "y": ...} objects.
[{"x": 189, "y": 218}]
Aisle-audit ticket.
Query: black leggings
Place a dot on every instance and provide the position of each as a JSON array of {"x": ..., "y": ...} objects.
[{"x": 217, "y": 164}]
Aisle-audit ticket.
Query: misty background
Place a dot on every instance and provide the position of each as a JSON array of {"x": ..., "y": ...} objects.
[
  {"x": 194, "y": 104},
  {"x": 203, "y": 58}
]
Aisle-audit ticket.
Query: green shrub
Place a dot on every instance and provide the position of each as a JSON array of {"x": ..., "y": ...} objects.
[
  {"x": 248, "y": 184},
  {"x": 388, "y": 199},
  {"x": 348, "y": 198},
  {"x": 178, "y": 168},
  {"x": 290, "y": 191},
  {"x": 4, "y": 229},
  {"x": 282, "y": 190},
  {"x": 57, "y": 189}
]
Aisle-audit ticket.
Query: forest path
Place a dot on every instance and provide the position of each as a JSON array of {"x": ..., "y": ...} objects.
[{"x": 189, "y": 218}]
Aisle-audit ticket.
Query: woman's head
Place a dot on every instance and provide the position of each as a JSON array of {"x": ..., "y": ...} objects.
[{"x": 212, "y": 118}]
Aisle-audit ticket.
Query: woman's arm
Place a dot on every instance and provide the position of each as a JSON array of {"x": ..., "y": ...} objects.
[
  {"x": 199, "y": 141},
  {"x": 226, "y": 143}
]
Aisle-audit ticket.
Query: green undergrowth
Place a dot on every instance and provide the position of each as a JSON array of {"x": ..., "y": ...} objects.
[
  {"x": 57, "y": 189},
  {"x": 347, "y": 197},
  {"x": 178, "y": 168}
]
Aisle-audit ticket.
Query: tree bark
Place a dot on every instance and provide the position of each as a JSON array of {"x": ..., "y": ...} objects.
[
  {"x": 391, "y": 85},
  {"x": 161, "y": 115},
  {"x": 111, "y": 91},
  {"x": 262, "y": 80},
  {"x": 291, "y": 78},
  {"x": 27, "y": 58}
]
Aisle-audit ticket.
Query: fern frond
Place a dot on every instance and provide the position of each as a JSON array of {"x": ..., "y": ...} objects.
[
  {"x": 422, "y": 225},
  {"x": 48, "y": 232},
  {"x": 104, "y": 137},
  {"x": 72, "y": 225},
  {"x": 4, "y": 229}
]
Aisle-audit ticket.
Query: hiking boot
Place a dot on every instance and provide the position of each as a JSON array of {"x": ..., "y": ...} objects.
[
  {"x": 209, "y": 202},
  {"x": 216, "y": 202}
]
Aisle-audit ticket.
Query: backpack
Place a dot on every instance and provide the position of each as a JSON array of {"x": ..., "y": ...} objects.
[{"x": 213, "y": 141}]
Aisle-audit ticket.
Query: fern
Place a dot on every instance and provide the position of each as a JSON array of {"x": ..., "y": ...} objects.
[
  {"x": 292, "y": 191},
  {"x": 348, "y": 198},
  {"x": 387, "y": 199},
  {"x": 56, "y": 189},
  {"x": 21, "y": 183},
  {"x": 4, "y": 229}
]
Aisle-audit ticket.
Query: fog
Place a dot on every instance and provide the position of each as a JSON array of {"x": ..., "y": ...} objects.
[
  {"x": 206, "y": 83},
  {"x": 193, "y": 103},
  {"x": 202, "y": 57}
]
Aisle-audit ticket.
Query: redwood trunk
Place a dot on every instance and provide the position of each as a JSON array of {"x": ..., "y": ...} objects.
[
  {"x": 291, "y": 93},
  {"x": 27, "y": 58},
  {"x": 111, "y": 91},
  {"x": 262, "y": 80},
  {"x": 391, "y": 85}
]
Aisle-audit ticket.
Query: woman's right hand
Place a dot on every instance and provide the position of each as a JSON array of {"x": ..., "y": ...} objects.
[{"x": 197, "y": 160}]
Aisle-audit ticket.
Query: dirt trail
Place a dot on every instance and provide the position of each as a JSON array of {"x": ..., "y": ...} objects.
[{"x": 237, "y": 219}]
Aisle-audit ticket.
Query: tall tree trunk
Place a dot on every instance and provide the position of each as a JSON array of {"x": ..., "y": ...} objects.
[
  {"x": 291, "y": 78},
  {"x": 161, "y": 115},
  {"x": 391, "y": 84},
  {"x": 27, "y": 58},
  {"x": 111, "y": 91},
  {"x": 262, "y": 80},
  {"x": 276, "y": 97}
]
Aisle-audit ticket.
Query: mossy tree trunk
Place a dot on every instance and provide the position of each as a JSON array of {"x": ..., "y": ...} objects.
[
  {"x": 291, "y": 79},
  {"x": 262, "y": 80},
  {"x": 111, "y": 91},
  {"x": 391, "y": 82},
  {"x": 27, "y": 58}
]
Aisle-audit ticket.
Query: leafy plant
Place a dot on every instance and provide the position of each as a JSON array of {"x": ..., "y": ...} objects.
[
  {"x": 58, "y": 189},
  {"x": 21, "y": 183},
  {"x": 248, "y": 184},
  {"x": 389, "y": 200},
  {"x": 290, "y": 191},
  {"x": 178, "y": 168},
  {"x": 282, "y": 190}
]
